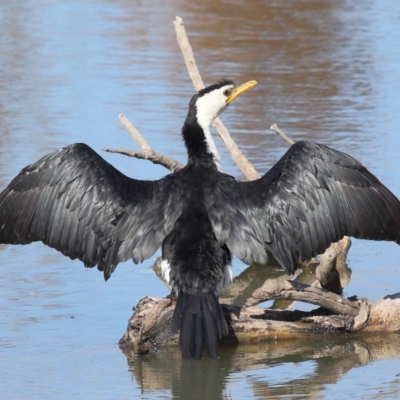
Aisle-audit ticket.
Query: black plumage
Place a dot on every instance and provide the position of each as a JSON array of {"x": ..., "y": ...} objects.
[{"x": 76, "y": 202}]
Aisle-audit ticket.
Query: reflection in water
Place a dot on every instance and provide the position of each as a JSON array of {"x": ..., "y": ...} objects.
[{"x": 266, "y": 371}]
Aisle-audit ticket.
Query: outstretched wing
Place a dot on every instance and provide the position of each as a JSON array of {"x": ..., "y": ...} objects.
[
  {"x": 76, "y": 202},
  {"x": 311, "y": 198}
]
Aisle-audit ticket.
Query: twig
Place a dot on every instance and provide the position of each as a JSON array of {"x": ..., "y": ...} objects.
[
  {"x": 136, "y": 136},
  {"x": 146, "y": 153},
  {"x": 241, "y": 161},
  {"x": 286, "y": 138},
  {"x": 155, "y": 158}
]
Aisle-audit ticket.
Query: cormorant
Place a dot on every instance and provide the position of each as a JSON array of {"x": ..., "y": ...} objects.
[{"x": 76, "y": 202}]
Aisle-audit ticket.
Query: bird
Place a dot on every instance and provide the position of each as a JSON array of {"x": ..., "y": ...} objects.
[{"x": 76, "y": 202}]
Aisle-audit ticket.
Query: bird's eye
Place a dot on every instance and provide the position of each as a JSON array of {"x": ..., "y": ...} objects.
[{"x": 227, "y": 92}]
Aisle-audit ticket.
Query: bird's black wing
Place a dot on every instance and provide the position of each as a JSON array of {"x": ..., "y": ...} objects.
[
  {"x": 312, "y": 197},
  {"x": 76, "y": 202}
]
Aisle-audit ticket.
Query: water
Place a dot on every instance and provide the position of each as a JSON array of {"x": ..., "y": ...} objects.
[{"x": 327, "y": 71}]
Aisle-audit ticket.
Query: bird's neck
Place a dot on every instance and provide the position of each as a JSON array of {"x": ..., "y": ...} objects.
[{"x": 200, "y": 145}]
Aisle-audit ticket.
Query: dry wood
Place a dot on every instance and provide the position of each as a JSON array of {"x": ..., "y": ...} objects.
[
  {"x": 290, "y": 290},
  {"x": 188, "y": 55},
  {"x": 149, "y": 327},
  {"x": 238, "y": 157},
  {"x": 286, "y": 138},
  {"x": 135, "y": 134},
  {"x": 332, "y": 272},
  {"x": 146, "y": 152},
  {"x": 155, "y": 158}
]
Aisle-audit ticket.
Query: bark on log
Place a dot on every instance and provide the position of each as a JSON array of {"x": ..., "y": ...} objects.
[
  {"x": 149, "y": 327},
  {"x": 290, "y": 290}
]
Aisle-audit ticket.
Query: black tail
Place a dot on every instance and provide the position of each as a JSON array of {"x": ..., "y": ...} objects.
[{"x": 201, "y": 321}]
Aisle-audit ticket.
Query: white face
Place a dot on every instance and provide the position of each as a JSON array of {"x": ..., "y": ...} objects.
[{"x": 211, "y": 105}]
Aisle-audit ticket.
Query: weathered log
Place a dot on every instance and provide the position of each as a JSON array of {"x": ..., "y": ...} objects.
[{"x": 149, "y": 327}]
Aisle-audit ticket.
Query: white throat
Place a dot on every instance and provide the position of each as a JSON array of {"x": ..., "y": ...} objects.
[
  {"x": 212, "y": 148},
  {"x": 209, "y": 107}
]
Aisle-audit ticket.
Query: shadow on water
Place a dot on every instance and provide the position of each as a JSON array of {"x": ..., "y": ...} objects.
[{"x": 303, "y": 367}]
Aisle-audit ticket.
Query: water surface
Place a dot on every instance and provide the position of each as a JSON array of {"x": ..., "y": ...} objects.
[{"x": 327, "y": 71}]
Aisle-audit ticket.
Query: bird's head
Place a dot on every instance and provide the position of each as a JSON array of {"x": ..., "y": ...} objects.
[
  {"x": 204, "y": 107},
  {"x": 211, "y": 101}
]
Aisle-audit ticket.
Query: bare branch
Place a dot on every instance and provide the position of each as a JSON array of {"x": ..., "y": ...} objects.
[
  {"x": 146, "y": 153},
  {"x": 136, "y": 136},
  {"x": 238, "y": 157},
  {"x": 286, "y": 138},
  {"x": 188, "y": 56},
  {"x": 241, "y": 161},
  {"x": 273, "y": 289},
  {"x": 155, "y": 158}
]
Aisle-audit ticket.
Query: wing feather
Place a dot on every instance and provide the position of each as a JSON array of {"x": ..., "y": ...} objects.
[
  {"x": 312, "y": 197},
  {"x": 76, "y": 202}
]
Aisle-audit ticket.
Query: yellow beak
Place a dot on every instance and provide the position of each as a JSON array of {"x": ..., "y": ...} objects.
[{"x": 239, "y": 89}]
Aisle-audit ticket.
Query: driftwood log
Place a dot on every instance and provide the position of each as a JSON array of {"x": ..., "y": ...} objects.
[{"x": 149, "y": 327}]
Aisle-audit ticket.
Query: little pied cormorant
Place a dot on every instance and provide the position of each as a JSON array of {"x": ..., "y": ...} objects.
[{"x": 76, "y": 202}]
